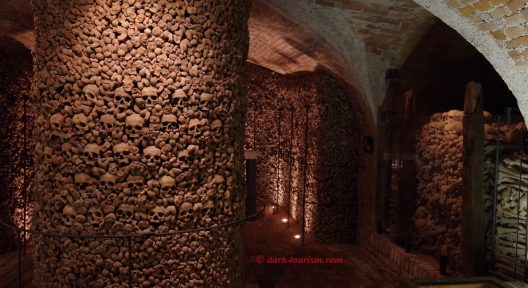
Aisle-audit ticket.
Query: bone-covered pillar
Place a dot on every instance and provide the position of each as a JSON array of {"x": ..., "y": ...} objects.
[{"x": 140, "y": 107}]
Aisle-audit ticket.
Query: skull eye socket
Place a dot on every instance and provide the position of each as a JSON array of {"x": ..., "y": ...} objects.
[
  {"x": 154, "y": 98},
  {"x": 144, "y": 98},
  {"x": 81, "y": 186},
  {"x": 126, "y": 153},
  {"x": 118, "y": 98}
]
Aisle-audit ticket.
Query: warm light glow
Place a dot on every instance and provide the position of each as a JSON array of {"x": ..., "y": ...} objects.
[
  {"x": 284, "y": 220},
  {"x": 297, "y": 236}
]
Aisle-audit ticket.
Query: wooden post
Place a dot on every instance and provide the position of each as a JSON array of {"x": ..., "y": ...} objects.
[
  {"x": 407, "y": 184},
  {"x": 473, "y": 217}
]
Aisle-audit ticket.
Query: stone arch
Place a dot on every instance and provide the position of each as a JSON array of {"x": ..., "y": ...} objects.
[
  {"x": 302, "y": 47},
  {"x": 492, "y": 27}
]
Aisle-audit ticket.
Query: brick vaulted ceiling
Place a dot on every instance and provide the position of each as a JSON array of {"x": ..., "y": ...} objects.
[{"x": 357, "y": 39}]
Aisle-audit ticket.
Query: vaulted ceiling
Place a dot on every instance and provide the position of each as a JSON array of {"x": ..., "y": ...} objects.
[{"x": 357, "y": 39}]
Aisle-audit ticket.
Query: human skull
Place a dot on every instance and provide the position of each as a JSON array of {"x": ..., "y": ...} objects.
[
  {"x": 185, "y": 212},
  {"x": 107, "y": 123},
  {"x": 134, "y": 125},
  {"x": 205, "y": 99},
  {"x": 218, "y": 179},
  {"x": 152, "y": 156},
  {"x": 95, "y": 216},
  {"x": 82, "y": 181},
  {"x": 107, "y": 182},
  {"x": 197, "y": 209},
  {"x": 452, "y": 115},
  {"x": 56, "y": 122},
  {"x": 48, "y": 153},
  {"x": 156, "y": 215},
  {"x": 81, "y": 123},
  {"x": 89, "y": 95},
  {"x": 125, "y": 212},
  {"x": 208, "y": 208},
  {"x": 194, "y": 126},
  {"x": 122, "y": 98},
  {"x": 183, "y": 157},
  {"x": 154, "y": 124},
  {"x": 167, "y": 183},
  {"x": 135, "y": 182},
  {"x": 169, "y": 123},
  {"x": 179, "y": 99},
  {"x": 149, "y": 95},
  {"x": 68, "y": 150},
  {"x": 91, "y": 153},
  {"x": 170, "y": 214},
  {"x": 69, "y": 214},
  {"x": 216, "y": 127},
  {"x": 121, "y": 153}
]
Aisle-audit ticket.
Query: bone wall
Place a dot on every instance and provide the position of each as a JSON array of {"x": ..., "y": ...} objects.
[
  {"x": 139, "y": 130},
  {"x": 333, "y": 131},
  {"x": 510, "y": 232},
  {"x": 437, "y": 221},
  {"x": 15, "y": 74}
]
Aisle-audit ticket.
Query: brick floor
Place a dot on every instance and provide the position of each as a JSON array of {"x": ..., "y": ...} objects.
[
  {"x": 268, "y": 236},
  {"x": 9, "y": 272}
]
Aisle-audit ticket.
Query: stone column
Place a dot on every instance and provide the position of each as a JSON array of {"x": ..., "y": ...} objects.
[{"x": 140, "y": 108}]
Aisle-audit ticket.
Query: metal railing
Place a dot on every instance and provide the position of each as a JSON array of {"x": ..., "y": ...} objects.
[{"x": 128, "y": 237}]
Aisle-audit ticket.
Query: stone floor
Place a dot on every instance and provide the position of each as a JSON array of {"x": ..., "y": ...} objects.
[{"x": 269, "y": 237}]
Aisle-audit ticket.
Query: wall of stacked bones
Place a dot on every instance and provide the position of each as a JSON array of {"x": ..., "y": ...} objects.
[
  {"x": 332, "y": 148},
  {"x": 15, "y": 74},
  {"x": 139, "y": 109},
  {"x": 437, "y": 218},
  {"x": 510, "y": 234}
]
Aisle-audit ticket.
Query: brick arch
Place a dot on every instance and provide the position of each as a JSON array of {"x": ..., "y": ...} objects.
[{"x": 495, "y": 28}]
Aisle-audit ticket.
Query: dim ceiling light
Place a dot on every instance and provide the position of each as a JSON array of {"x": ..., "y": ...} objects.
[
  {"x": 297, "y": 236},
  {"x": 284, "y": 220}
]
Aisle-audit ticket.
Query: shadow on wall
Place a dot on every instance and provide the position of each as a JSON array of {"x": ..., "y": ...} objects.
[
  {"x": 337, "y": 169},
  {"x": 15, "y": 75},
  {"x": 312, "y": 120}
]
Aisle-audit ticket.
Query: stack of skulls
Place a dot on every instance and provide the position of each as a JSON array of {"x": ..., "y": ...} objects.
[
  {"x": 140, "y": 111},
  {"x": 15, "y": 139}
]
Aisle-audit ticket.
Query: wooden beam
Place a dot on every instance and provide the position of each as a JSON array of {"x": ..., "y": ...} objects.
[
  {"x": 473, "y": 215},
  {"x": 407, "y": 185}
]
